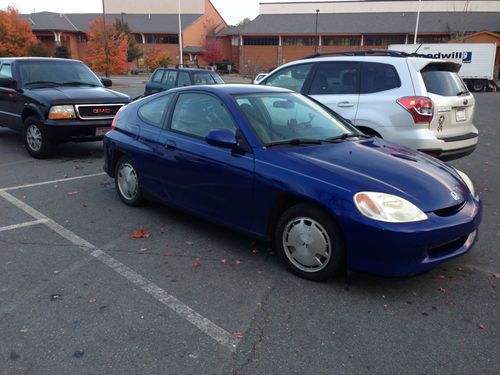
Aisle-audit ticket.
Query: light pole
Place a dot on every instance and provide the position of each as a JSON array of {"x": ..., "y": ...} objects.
[
  {"x": 316, "y": 32},
  {"x": 180, "y": 37},
  {"x": 416, "y": 24},
  {"x": 106, "y": 49}
]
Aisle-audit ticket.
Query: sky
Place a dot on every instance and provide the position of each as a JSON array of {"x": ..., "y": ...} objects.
[{"x": 231, "y": 10}]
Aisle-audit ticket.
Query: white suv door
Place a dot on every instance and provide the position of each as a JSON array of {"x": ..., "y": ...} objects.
[{"x": 336, "y": 85}]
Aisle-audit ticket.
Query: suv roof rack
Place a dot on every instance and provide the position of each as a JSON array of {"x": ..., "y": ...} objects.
[{"x": 378, "y": 52}]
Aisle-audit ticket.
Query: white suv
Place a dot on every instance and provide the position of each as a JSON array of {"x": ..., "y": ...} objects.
[{"x": 417, "y": 102}]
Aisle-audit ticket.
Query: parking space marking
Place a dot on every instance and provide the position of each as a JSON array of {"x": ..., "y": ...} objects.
[
  {"x": 203, "y": 324},
  {"x": 23, "y": 225},
  {"x": 51, "y": 182}
]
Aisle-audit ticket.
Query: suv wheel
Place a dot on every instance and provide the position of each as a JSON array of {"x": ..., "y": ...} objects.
[
  {"x": 35, "y": 139},
  {"x": 310, "y": 243}
]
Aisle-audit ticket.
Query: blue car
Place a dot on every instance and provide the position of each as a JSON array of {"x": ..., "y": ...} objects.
[{"x": 281, "y": 167}]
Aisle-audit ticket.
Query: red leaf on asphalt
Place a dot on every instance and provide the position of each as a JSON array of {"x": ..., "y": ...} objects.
[
  {"x": 224, "y": 261},
  {"x": 140, "y": 233},
  {"x": 237, "y": 335},
  {"x": 442, "y": 289},
  {"x": 71, "y": 193},
  {"x": 197, "y": 263},
  {"x": 482, "y": 326},
  {"x": 496, "y": 275}
]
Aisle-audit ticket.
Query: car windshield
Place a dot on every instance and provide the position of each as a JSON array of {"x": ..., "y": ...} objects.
[
  {"x": 53, "y": 72},
  {"x": 290, "y": 117}
]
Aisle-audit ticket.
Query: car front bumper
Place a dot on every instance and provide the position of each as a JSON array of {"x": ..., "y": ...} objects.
[
  {"x": 392, "y": 249},
  {"x": 76, "y": 130}
]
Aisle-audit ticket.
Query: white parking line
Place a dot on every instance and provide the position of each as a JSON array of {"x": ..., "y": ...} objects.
[
  {"x": 23, "y": 225},
  {"x": 51, "y": 182},
  {"x": 203, "y": 324}
]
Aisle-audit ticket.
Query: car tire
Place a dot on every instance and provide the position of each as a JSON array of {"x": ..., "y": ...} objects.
[
  {"x": 310, "y": 243},
  {"x": 478, "y": 86},
  {"x": 35, "y": 139},
  {"x": 127, "y": 182}
]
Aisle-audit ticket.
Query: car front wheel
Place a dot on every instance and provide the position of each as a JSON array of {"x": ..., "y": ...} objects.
[
  {"x": 127, "y": 182},
  {"x": 35, "y": 139},
  {"x": 310, "y": 243}
]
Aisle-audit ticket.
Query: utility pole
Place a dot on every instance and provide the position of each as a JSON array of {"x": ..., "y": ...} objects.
[
  {"x": 416, "y": 24},
  {"x": 106, "y": 47},
  {"x": 316, "y": 32},
  {"x": 181, "y": 61}
]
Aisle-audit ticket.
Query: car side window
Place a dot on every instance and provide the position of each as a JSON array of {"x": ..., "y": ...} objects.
[
  {"x": 153, "y": 111},
  {"x": 376, "y": 77},
  {"x": 196, "y": 114},
  {"x": 169, "y": 79},
  {"x": 157, "y": 76},
  {"x": 184, "y": 79},
  {"x": 335, "y": 78},
  {"x": 292, "y": 78},
  {"x": 6, "y": 71}
]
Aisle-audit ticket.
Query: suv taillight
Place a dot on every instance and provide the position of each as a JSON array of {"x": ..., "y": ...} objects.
[{"x": 420, "y": 107}]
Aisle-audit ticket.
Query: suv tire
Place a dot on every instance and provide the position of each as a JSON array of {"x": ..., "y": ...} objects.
[{"x": 35, "y": 139}]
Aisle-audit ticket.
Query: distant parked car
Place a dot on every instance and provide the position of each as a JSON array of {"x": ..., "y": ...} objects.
[
  {"x": 418, "y": 102},
  {"x": 167, "y": 78},
  {"x": 259, "y": 77},
  {"x": 55, "y": 100},
  {"x": 277, "y": 165}
]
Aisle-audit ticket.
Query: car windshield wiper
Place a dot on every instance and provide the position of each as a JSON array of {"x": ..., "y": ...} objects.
[
  {"x": 460, "y": 93},
  {"x": 345, "y": 136},
  {"x": 42, "y": 83},
  {"x": 295, "y": 142},
  {"x": 78, "y": 83}
]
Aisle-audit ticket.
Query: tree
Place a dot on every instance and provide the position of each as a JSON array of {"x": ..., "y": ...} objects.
[
  {"x": 213, "y": 53},
  {"x": 117, "y": 46},
  {"x": 244, "y": 21},
  {"x": 38, "y": 49},
  {"x": 16, "y": 36},
  {"x": 133, "y": 51},
  {"x": 157, "y": 58}
]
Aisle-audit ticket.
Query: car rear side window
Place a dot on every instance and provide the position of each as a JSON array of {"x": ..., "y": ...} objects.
[
  {"x": 442, "y": 80},
  {"x": 153, "y": 111},
  {"x": 203, "y": 78},
  {"x": 6, "y": 71},
  {"x": 184, "y": 79},
  {"x": 336, "y": 78},
  {"x": 196, "y": 114},
  {"x": 292, "y": 78},
  {"x": 376, "y": 77},
  {"x": 169, "y": 79},
  {"x": 157, "y": 76}
]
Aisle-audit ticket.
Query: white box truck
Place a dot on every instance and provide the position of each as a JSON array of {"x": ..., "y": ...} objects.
[{"x": 477, "y": 59}]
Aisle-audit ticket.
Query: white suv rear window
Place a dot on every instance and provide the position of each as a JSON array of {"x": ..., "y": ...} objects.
[{"x": 438, "y": 80}]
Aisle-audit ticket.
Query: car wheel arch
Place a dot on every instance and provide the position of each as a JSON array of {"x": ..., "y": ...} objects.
[
  {"x": 30, "y": 112},
  {"x": 117, "y": 155}
]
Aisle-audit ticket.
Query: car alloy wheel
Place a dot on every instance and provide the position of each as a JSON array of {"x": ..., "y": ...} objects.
[
  {"x": 310, "y": 243},
  {"x": 127, "y": 182},
  {"x": 34, "y": 137}
]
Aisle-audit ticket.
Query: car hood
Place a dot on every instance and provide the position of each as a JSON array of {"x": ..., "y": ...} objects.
[
  {"x": 77, "y": 95},
  {"x": 380, "y": 166}
]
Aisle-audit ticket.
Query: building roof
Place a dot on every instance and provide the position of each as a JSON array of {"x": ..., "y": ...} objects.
[
  {"x": 372, "y": 23},
  {"x": 139, "y": 23}
]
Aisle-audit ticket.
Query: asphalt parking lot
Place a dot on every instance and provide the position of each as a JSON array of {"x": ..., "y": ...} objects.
[{"x": 80, "y": 295}]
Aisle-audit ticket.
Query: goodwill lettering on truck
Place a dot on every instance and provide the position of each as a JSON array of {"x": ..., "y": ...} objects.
[{"x": 463, "y": 57}]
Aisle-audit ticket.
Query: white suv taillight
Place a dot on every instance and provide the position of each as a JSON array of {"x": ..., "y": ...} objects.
[{"x": 420, "y": 107}]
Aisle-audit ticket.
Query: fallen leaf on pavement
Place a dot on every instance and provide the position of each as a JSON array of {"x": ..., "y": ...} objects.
[
  {"x": 223, "y": 261},
  {"x": 140, "y": 233},
  {"x": 92, "y": 300},
  {"x": 496, "y": 275},
  {"x": 443, "y": 290},
  {"x": 71, "y": 193},
  {"x": 197, "y": 263},
  {"x": 482, "y": 326},
  {"x": 237, "y": 335}
]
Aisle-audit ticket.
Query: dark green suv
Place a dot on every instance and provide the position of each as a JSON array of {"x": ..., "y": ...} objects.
[{"x": 167, "y": 78}]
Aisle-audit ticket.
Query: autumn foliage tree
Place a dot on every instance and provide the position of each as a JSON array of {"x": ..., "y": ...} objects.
[
  {"x": 16, "y": 36},
  {"x": 213, "y": 53},
  {"x": 157, "y": 58},
  {"x": 117, "y": 47}
]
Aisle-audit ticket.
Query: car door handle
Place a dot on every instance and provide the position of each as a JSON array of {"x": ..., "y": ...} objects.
[
  {"x": 345, "y": 104},
  {"x": 170, "y": 145}
]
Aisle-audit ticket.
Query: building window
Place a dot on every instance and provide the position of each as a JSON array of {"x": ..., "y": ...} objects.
[
  {"x": 82, "y": 38},
  {"x": 161, "y": 39},
  {"x": 383, "y": 40},
  {"x": 341, "y": 40},
  {"x": 430, "y": 38},
  {"x": 235, "y": 41},
  {"x": 260, "y": 41},
  {"x": 299, "y": 41}
]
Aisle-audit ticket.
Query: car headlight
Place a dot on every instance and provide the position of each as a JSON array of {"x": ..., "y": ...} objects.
[
  {"x": 62, "y": 112},
  {"x": 387, "y": 207},
  {"x": 467, "y": 182}
]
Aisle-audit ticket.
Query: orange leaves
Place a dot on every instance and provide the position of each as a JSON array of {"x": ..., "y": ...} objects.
[
  {"x": 140, "y": 233},
  {"x": 16, "y": 36},
  {"x": 117, "y": 47}
]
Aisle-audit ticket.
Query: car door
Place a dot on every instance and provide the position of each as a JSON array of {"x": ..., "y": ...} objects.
[
  {"x": 336, "y": 85},
  {"x": 10, "y": 101},
  {"x": 213, "y": 181}
]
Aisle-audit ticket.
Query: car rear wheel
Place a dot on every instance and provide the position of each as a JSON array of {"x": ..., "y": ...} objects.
[
  {"x": 127, "y": 182},
  {"x": 310, "y": 243},
  {"x": 35, "y": 139}
]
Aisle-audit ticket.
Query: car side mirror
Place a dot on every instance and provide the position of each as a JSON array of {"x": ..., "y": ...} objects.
[
  {"x": 106, "y": 82},
  {"x": 222, "y": 138},
  {"x": 7, "y": 82}
]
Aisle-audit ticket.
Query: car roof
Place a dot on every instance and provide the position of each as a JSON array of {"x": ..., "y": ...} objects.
[
  {"x": 234, "y": 89},
  {"x": 187, "y": 69},
  {"x": 37, "y": 59}
]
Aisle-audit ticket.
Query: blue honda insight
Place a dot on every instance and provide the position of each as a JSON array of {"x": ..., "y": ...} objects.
[{"x": 279, "y": 166}]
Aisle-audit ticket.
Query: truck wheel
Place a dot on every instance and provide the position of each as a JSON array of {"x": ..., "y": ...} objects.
[
  {"x": 478, "y": 86},
  {"x": 35, "y": 139}
]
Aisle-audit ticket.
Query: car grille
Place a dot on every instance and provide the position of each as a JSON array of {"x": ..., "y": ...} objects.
[{"x": 97, "y": 111}]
